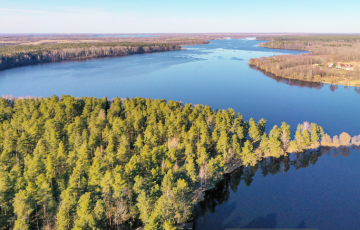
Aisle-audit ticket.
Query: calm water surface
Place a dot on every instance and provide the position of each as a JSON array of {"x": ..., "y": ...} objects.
[
  {"x": 216, "y": 74},
  {"x": 324, "y": 195},
  {"x": 309, "y": 190}
]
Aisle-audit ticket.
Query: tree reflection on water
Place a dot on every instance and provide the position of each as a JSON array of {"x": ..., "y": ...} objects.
[
  {"x": 271, "y": 165},
  {"x": 291, "y": 82}
]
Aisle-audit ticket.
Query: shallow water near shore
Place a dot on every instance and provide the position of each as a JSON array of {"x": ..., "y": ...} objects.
[{"x": 324, "y": 195}]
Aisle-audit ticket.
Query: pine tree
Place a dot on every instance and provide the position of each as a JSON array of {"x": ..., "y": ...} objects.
[
  {"x": 144, "y": 206},
  {"x": 299, "y": 138},
  {"x": 66, "y": 210},
  {"x": 61, "y": 159},
  {"x": 169, "y": 225},
  {"x": 254, "y": 131},
  {"x": 248, "y": 156},
  {"x": 22, "y": 209},
  {"x": 6, "y": 195},
  {"x": 306, "y": 138},
  {"x": 107, "y": 194},
  {"x": 235, "y": 146},
  {"x": 190, "y": 169},
  {"x": 44, "y": 196},
  {"x": 84, "y": 213},
  {"x": 223, "y": 145},
  {"x": 261, "y": 126},
  {"x": 274, "y": 142}
]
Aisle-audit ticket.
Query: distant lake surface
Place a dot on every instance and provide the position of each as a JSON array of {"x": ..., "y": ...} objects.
[{"x": 324, "y": 195}]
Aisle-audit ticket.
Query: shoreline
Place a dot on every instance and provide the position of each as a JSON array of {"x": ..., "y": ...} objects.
[
  {"x": 199, "y": 195},
  {"x": 328, "y": 80},
  {"x": 345, "y": 82}
]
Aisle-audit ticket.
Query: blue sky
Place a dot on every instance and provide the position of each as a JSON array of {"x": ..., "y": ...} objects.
[{"x": 186, "y": 16}]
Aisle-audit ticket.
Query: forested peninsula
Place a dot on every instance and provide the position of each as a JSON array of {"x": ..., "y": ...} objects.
[
  {"x": 22, "y": 55},
  {"x": 89, "y": 163},
  {"x": 332, "y": 59}
]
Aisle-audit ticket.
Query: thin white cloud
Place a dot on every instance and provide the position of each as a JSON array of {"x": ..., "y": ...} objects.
[{"x": 33, "y": 11}]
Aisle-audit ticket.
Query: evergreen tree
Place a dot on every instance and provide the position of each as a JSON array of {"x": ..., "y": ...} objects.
[
  {"x": 261, "y": 126},
  {"x": 22, "y": 210},
  {"x": 254, "y": 132},
  {"x": 84, "y": 213},
  {"x": 274, "y": 142},
  {"x": 248, "y": 155},
  {"x": 190, "y": 169}
]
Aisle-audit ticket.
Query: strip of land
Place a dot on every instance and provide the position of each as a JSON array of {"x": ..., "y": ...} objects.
[
  {"x": 22, "y": 55},
  {"x": 332, "y": 59}
]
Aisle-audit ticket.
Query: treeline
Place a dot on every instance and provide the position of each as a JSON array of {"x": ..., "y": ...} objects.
[
  {"x": 322, "y": 49},
  {"x": 88, "y": 163},
  {"x": 301, "y": 67},
  {"x": 21, "y": 55},
  {"x": 173, "y": 40},
  {"x": 291, "y": 82},
  {"x": 313, "y": 37}
]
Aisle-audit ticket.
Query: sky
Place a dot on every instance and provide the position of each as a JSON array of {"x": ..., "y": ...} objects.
[{"x": 185, "y": 16}]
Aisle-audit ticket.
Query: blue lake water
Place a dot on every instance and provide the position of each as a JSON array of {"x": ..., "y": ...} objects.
[
  {"x": 309, "y": 190},
  {"x": 216, "y": 74},
  {"x": 324, "y": 195}
]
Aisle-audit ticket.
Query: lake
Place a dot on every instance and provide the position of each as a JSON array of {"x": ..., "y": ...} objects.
[
  {"x": 324, "y": 194},
  {"x": 216, "y": 74},
  {"x": 318, "y": 190}
]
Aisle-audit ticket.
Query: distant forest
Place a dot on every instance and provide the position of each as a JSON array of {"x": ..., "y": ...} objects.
[
  {"x": 27, "y": 49},
  {"x": 88, "y": 163},
  {"x": 21, "y": 55},
  {"x": 333, "y": 59}
]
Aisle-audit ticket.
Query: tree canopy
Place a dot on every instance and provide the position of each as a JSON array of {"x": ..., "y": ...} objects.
[{"x": 89, "y": 163}]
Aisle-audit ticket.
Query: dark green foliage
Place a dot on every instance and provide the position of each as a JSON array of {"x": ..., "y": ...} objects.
[
  {"x": 88, "y": 163},
  {"x": 92, "y": 163}
]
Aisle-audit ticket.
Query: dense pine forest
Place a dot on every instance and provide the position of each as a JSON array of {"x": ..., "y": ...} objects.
[
  {"x": 88, "y": 163},
  {"x": 333, "y": 59},
  {"x": 21, "y": 55}
]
